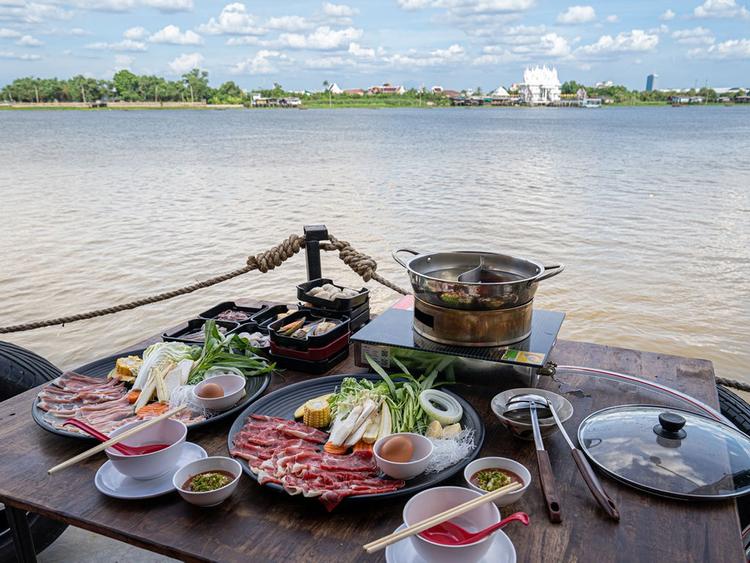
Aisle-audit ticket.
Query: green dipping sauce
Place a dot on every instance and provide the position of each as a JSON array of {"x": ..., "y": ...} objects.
[
  {"x": 208, "y": 481},
  {"x": 493, "y": 478}
]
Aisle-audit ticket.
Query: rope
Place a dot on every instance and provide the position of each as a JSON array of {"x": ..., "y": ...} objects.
[
  {"x": 361, "y": 263},
  {"x": 733, "y": 383}
]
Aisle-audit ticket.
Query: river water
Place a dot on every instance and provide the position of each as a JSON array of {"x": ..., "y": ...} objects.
[{"x": 649, "y": 208}]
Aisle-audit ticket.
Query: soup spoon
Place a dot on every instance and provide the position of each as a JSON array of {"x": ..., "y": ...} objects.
[
  {"x": 122, "y": 448},
  {"x": 449, "y": 533}
]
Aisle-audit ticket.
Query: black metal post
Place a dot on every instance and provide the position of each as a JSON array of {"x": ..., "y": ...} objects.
[
  {"x": 313, "y": 235},
  {"x": 19, "y": 529}
]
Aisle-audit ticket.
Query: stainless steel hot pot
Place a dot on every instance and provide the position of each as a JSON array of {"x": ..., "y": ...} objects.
[{"x": 434, "y": 279}]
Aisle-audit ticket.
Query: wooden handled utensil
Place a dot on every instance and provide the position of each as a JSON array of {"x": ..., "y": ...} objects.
[
  {"x": 546, "y": 476},
  {"x": 117, "y": 439},
  {"x": 427, "y": 523}
]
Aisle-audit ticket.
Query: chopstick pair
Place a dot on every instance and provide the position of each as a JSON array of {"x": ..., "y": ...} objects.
[
  {"x": 428, "y": 523},
  {"x": 112, "y": 441}
]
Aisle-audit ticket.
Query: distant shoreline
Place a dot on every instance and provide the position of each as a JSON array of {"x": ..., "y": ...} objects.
[{"x": 348, "y": 104}]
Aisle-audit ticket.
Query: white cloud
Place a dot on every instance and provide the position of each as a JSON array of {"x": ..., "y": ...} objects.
[
  {"x": 696, "y": 36},
  {"x": 172, "y": 35},
  {"x": 18, "y": 56},
  {"x": 323, "y": 38},
  {"x": 288, "y": 23},
  {"x": 339, "y": 10},
  {"x": 32, "y": 12},
  {"x": 261, "y": 63},
  {"x": 439, "y": 57},
  {"x": 721, "y": 9},
  {"x": 356, "y": 50},
  {"x": 124, "y": 45},
  {"x": 577, "y": 14},
  {"x": 123, "y": 62},
  {"x": 414, "y": 4},
  {"x": 731, "y": 49},
  {"x": 135, "y": 33},
  {"x": 29, "y": 41},
  {"x": 636, "y": 40},
  {"x": 614, "y": 18},
  {"x": 525, "y": 43},
  {"x": 6, "y": 33},
  {"x": 168, "y": 6},
  {"x": 233, "y": 20},
  {"x": 328, "y": 63},
  {"x": 186, "y": 62},
  {"x": 667, "y": 16}
]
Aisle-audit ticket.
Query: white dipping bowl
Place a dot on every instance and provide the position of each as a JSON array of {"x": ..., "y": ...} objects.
[
  {"x": 234, "y": 389},
  {"x": 524, "y": 430},
  {"x": 499, "y": 463},
  {"x": 156, "y": 464},
  {"x": 405, "y": 469},
  {"x": 439, "y": 499},
  {"x": 208, "y": 498}
]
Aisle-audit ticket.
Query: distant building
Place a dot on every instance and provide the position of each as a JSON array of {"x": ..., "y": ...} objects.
[
  {"x": 450, "y": 93},
  {"x": 540, "y": 86},
  {"x": 651, "y": 82},
  {"x": 581, "y": 94},
  {"x": 437, "y": 89},
  {"x": 387, "y": 88},
  {"x": 334, "y": 89},
  {"x": 355, "y": 92},
  {"x": 606, "y": 84},
  {"x": 500, "y": 92}
]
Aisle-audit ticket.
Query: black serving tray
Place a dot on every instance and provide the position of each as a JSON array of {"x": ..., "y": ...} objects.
[
  {"x": 353, "y": 313},
  {"x": 221, "y": 307},
  {"x": 316, "y": 367},
  {"x": 255, "y": 386},
  {"x": 192, "y": 326},
  {"x": 338, "y": 304},
  {"x": 310, "y": 341},
  {"x": 359, "y": 321},
  {"x": 283, "y": 402},
  {"x": 267, "y": 315}
]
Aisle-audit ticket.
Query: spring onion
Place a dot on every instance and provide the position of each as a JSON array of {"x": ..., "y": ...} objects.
[{"x": 440, "y": 406}]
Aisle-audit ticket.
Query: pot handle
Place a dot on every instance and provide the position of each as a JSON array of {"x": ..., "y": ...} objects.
[
  {"x": 401, "y": 262},
  {"x": 551, "y": 271}
]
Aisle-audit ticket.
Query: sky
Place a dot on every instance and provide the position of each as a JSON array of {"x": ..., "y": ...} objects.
[{"x": 456, "y": 44}]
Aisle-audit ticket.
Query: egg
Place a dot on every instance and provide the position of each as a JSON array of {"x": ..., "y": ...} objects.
[
  {"x": 398, "y": 449},
  {"x": 211, "y": 391}
]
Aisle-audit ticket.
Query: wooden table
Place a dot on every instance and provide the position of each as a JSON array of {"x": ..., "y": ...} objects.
[{"x": 260, "y": 524}]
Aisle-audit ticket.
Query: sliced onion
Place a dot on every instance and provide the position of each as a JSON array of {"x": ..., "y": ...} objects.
[{"x": 448, "y": 410}]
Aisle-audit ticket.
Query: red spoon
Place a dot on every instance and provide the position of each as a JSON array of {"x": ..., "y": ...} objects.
[
  {"x": 122, "y": 448},
  {"x": 449, "y": 533}
]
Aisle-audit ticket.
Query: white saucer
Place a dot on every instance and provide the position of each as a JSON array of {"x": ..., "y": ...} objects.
[
  {"x": 501, "y": 550},
  {"x": 112, "y": 483}
]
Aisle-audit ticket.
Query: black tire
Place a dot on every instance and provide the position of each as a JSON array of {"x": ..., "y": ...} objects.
[
  {"x": 20, "y": 370},
  {"x": 738, "y": 412}
]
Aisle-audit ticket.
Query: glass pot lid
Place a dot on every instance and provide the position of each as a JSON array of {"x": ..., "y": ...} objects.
[{"x": 668, "y": 451}]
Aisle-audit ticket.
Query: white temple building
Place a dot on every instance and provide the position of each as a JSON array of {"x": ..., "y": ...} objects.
[
  {"x": 540, "y": 86},
  {"x": 500, "y": 92}
]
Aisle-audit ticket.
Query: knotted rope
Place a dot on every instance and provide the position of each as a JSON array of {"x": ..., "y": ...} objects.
[{"x": 361, "y": 263}]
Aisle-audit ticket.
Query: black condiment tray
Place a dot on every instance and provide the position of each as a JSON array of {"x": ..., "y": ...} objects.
[
  {"x": 352, "y": 314},
  {"x": 221, "y": 307},
  {"x": 268, "y": 315},
  {"x": 191, "y": 326},
  {"x": 359, "y": 321},
  {"x": 338, "y": 304},
  {"x": 310, "y": 341},
  {"x": 314, "y": 367}
]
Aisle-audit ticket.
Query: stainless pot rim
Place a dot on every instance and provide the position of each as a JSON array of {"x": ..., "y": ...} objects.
[{"x": 540, "y": 267}]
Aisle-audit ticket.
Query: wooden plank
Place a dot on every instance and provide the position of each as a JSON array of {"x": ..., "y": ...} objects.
[{"x": 264, "y": 525}]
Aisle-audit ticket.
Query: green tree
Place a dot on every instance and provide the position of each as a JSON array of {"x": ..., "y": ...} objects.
[{"x": 196, "y": 83}]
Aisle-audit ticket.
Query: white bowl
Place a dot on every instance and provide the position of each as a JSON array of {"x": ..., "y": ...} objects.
[
  {"x": 234, "y": 389},
  {"x": 156, "y": 464},
  {"x": 405, "y": 469},
  {"x": 499, "y": 463},
  {"x": 439, "y": 499},
  {"x": 524, "y": 430},
  {"x": 208, "y": 498}
]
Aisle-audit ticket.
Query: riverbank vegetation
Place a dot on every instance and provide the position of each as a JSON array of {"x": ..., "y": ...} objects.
[{"x": 194, "y": 87}]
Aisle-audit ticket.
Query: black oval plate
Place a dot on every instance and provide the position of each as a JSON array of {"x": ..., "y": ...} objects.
[
  {"x": 254, "y": 388},
  {"x": 283, "y": 402}
]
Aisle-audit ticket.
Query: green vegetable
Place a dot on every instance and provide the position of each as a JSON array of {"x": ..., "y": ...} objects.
[
  {"x": 208, "y": 482},
  {"x": 227, "y": 351},
  {"x": 491, "y": 479}
]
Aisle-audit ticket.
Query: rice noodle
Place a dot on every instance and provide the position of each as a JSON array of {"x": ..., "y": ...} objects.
[{"x": 449, "y": 451}]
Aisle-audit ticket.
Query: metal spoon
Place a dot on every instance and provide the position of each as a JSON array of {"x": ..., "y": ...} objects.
[
  {"x": 546, "y": 476},
  {"x": 591, "y": 479},
  {"x": 449, "y": 533}
]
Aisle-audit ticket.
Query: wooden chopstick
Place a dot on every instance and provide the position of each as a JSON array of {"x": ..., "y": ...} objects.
[
  {"x": 116, "y": 440},
  {"x": 427, "y": 523}
]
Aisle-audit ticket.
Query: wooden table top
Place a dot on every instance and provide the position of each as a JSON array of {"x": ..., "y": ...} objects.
[{"x": 261, "y": 524}]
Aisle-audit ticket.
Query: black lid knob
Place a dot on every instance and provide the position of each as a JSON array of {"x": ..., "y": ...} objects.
[{"x": 670, "y": 426}]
